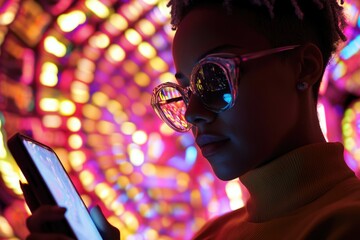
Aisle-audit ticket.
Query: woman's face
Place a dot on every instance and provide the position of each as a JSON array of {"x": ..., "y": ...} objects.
[{"x": 262, "y": 124}]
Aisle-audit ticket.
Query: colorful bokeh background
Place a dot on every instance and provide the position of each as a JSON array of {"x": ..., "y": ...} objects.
[{"x": 78, "y": 76}]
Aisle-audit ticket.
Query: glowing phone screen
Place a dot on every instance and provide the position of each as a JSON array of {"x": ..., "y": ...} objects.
[{"x": 63, "y": 191}]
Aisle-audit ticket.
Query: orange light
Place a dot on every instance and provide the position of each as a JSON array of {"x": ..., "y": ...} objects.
[
  {"x": 91, "y": 112},
  {"x": 105, "y": 127},
  {"x": 100, "y": 99},
  {"x": 158, "y": 64},
  {"x": 142, "y": 79},
  {"x": 87, "y": 178},
  {"x": 128, "y": 128},
  {"x": 166, "y": 130},
  {"x": 77, "y": 159},
  {"x": 138, "y": 108},
  {"x": 52, "y": 121},
  {"x": 167, "y": 77},
  {"x": 130, "y": 67},
  {"x": 79, "y": 92}
]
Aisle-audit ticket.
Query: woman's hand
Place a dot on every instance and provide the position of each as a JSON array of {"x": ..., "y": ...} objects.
[
  {"x": 45, "y": 214},
  {"x": 42, "y": 216}
]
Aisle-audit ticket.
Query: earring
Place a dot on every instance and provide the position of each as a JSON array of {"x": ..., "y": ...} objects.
[{"x": 301, "y": 86}]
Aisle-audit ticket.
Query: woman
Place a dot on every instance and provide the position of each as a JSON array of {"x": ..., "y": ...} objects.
[{"x": 248, "y": 77}]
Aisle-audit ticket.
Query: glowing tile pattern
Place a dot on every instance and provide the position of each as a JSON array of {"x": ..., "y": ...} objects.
[{"x": 97, "y": 63}]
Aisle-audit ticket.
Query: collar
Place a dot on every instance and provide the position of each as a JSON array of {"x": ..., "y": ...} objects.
[{"x": 294, "y": 180}]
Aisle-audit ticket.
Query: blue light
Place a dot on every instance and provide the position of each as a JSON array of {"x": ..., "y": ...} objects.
[
  {"x": 351, "y": 162},
  {"x": 190, "y": 155},
  {"x": 339, "y": 71},
  {"x": 184, "y": 164},
  {"x": 351, "y": 49},
  {"x": 186, "y": 140},
  {"x": 227, "y": 97}
]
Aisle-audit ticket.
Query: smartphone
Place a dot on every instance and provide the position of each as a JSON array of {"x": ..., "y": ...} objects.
[{"x": 51, "y": 185}]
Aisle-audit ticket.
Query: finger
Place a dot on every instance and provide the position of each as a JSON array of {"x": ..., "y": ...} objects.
[
  {"x": 43, "y": 215},
  {"x": 30, "y": 198},
  {"x": 47, "y": 236}
]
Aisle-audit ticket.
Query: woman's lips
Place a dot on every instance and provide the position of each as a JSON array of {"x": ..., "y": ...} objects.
[{"x": 210, "y": 144}]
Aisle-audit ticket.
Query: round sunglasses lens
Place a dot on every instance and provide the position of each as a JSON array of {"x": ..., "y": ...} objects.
[
  {"x": 172, "y": 107},
  {"x": 212, "y": 85}
]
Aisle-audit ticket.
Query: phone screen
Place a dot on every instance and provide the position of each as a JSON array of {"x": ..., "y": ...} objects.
[{"x": 63, "y": 191}]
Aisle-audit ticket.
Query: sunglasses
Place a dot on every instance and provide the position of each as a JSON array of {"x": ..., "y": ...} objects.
[{"x": 214, "y": 79}]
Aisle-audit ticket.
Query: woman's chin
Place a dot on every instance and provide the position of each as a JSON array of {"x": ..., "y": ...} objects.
[{"x": 226, "y": 174}]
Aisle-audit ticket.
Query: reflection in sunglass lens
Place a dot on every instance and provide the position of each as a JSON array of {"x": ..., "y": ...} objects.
[
  {"x": 212, "y": 85},
  {"x": 173, "y": 107}
]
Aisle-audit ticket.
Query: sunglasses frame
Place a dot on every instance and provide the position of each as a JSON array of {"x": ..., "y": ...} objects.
[
  {"x": 156, "y": 105},
  {"x": 229, "y": 64}
]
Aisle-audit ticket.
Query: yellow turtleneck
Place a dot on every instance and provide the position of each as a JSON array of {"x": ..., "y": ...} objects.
[{"x": 309, "y": 193}]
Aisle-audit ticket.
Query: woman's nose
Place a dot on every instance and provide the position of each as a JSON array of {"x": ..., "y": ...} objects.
[{"x": 196, "y": 112}]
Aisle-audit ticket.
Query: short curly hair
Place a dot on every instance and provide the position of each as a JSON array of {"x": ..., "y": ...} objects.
[{"x": 283, "y": 22}]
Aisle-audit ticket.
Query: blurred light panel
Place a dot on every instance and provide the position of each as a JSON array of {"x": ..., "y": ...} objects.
[
  {"x": 75, "y": 141},
  {"x": 98, "y": 8},
  {"x": 67, "y": 108},
  {"x": 146, "y": 28},
  {"x": 100, "y": 40},
  {"x": 139, "y": 137},
  {"x": 49, "y": 104},
  {"x": 73, "y": 124},
  {"x": 96, "y": 65},
  {"x": 133, "y": 36},
  {"x": 48, "y": 76},
  {"x": 79, "y": 92},
  {"x": 147, "y": 50},
  {"x": 52, "y": 45},
  {"x": 52, "y": 121},
  {"x": 351, "y": 49},
  {"x": 68, "y": 22},
  {"x": 118, "y": 22},
  {"x": 115, "y": 53}
]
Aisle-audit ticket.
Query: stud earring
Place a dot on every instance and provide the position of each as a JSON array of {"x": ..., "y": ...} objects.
[{"x": 301, "y": 86}]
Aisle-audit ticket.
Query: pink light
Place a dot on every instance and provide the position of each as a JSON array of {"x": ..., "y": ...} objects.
[
  {"x": 28, "y": 67},
  {"x": 57, "y": 6}
]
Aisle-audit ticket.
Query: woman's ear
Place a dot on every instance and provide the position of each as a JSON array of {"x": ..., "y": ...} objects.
[{"x": 311, "y": 65}]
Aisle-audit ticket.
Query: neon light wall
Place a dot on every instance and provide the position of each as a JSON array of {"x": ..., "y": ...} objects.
[{"x": 78, "y": 76}]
